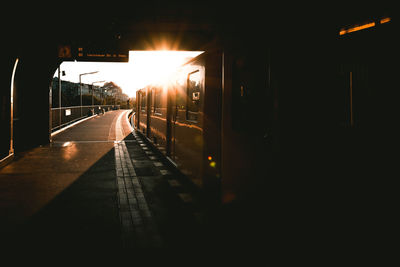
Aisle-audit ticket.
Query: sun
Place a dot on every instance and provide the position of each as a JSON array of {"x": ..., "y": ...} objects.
[{"x": 155, "y": 67}]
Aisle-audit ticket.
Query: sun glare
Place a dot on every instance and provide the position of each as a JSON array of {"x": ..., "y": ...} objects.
[
  {"x": 156, "y": 67},
  {"x": 143, "y": 68}
]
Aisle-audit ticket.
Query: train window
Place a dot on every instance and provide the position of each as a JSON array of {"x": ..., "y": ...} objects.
[
  {"x": 143, "y": 101},
  {"x": 193, "y": 95},
  {"x": 157, "y": 101},
  {"x": 181, "y": 99}
]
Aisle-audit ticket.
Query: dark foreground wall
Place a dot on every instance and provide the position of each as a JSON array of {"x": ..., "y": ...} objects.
[
  {"x": 31, "y": 105},
  {"x": 5, "y": 104}
]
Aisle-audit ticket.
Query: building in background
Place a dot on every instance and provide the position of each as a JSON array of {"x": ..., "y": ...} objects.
[{"x": 108, "y": 94}]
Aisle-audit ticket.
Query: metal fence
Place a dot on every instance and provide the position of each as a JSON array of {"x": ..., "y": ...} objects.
[{"x": 61, "y": 117}]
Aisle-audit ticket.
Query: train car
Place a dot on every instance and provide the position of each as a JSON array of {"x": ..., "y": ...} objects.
[
  {"x": 265, "y": 120},
  {"x": 142, "y": 111},
  {"x": 183, "y": 119},
  {"x": 151, "y": 118}
]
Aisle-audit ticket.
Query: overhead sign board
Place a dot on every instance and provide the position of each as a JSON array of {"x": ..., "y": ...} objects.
[
  {"x": 107, "y": 55},
  {"x": 92, "y": 54}
]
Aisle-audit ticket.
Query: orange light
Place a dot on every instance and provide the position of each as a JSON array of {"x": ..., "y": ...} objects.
[
  {"x": 66, "y": 144},
  {"x": 357, "y": 28},
  {"x": 209, "y": 158},
  {"x": 228, "y": 197},
  {"x": 384, "y": 20}
]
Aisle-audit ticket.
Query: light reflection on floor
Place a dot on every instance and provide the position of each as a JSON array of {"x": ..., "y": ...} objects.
[{"x": 37, "y": 176}]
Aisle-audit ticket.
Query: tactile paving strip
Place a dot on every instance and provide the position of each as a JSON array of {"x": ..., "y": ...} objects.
[{"x": 138, "y": 226}]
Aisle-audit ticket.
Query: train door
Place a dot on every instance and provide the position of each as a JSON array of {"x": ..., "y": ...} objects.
[
  {"x": 246, "y": 124},
  {"x": 143, "y": 106},
  {"x": 368, "y": 81},
  {"x": 148, "y": 112},
  {"x": 138, "y": 105},
  {"x": 170, "y": 121},
  {"x": 368, "y": 76},
  {"x": 173, "y": 115}
]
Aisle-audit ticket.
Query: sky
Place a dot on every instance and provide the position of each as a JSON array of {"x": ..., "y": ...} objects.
[{"x": 143, "y": 68}]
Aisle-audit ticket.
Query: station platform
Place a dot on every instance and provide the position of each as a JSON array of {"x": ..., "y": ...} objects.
[{"x": 98, "y": 186}]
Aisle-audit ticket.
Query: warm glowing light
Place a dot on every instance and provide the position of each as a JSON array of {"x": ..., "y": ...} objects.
[
  {"x": 357, "y": 28},
  {"x": 144, "y": 68},
  {"x": 228, "y": 197},
  {"x": 209, "y": 158},
  {"x": 213, "y": 164},
  {"x": 70, "y": 151},
  {"x": 384, "y": 20},
  {"x": 156, "y": 67},
  {"x": 66, "y": 144}
]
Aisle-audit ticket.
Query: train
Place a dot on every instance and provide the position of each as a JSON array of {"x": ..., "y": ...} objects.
[
  {"x": 268, "y": 121},
  {"x": 203, "y": 121},
  {"x": 183, "y": 119}
]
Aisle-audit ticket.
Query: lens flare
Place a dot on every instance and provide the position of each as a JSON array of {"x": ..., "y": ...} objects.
[{"x": 156, "y": 67}]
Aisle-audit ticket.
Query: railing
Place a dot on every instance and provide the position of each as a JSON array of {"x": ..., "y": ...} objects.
[{"x": 61, "y": 117}]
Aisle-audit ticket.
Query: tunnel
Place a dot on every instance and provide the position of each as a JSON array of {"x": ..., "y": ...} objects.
[{"x": 306, "y": 117}]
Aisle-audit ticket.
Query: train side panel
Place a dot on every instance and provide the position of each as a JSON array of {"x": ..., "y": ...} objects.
[
  {"x": 196, "y": 126},
  {"x": 143, "y": 107},
  {"x": 212, "y": 161},
  {"x": 187, "y": 122},
  {"x": 137, "y": 113},
  {"x": 158, "y": 117},
  {"x": 183, "y": 120}
]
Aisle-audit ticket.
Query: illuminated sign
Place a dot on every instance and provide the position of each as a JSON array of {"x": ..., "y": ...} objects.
[
  {"x": 360, "y": 27},
  {"x": 102, "y": 55},
  {"x": 81, "y": 53},
  {"x": 357, "y": 28},
  {"x": 384, "y": 20}
]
